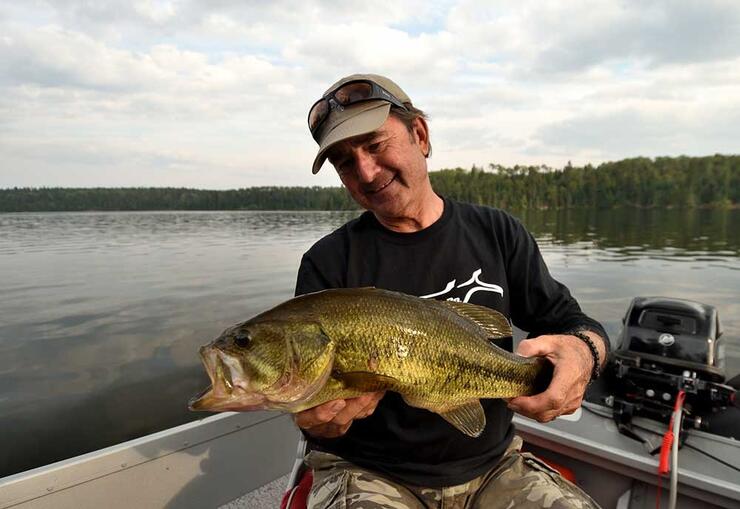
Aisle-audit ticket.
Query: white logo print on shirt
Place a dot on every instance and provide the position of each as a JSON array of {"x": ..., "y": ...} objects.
[{"x": 481, "y": 286}]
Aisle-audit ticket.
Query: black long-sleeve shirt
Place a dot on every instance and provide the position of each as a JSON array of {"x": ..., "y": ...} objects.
[{"x": 472, "y": 254}]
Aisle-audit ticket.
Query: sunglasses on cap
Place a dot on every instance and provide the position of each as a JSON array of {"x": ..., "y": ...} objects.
[{"x": 345, "y": 95}]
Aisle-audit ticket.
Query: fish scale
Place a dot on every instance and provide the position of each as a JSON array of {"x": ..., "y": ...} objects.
[
  {"x": 440, "y": 323},
  {"x": 340, "y": 343}
]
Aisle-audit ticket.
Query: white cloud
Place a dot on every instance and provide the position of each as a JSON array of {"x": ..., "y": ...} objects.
[
  {"x": 215, "y": 94},
  {"x": 373, "y": 48},
  {"x": 54, "y": 57},
  {"x": 643, "y": 132}
]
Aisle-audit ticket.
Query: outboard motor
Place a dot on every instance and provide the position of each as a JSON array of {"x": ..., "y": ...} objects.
[{"x": 668, "y": 345}]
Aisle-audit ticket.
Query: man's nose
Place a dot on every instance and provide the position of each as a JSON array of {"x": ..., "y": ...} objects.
[{"x": 367, "y": 167}]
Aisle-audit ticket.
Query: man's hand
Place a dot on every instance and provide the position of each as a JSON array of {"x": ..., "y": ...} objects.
[
  {"x": 573, "y": 363},
  {"x": 333, "y": 418}
]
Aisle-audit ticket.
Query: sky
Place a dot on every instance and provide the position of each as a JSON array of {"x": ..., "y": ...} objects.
[{"x": 214, "y": 95}]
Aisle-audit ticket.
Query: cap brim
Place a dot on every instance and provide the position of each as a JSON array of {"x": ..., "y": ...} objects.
[{"x": 366, "y": 118}]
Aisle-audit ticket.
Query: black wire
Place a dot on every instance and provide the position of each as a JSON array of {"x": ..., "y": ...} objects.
[
  {"x": 685, "y": 444},
  {"x": 713, "y": 457}
]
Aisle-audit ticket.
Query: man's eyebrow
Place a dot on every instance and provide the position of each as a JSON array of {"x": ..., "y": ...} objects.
[
  {"x": 364, "y": 138},
  {"x": 336, "y": 152}
]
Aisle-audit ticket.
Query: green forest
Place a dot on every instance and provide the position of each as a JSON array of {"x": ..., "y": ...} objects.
[{"x": 663, "y": 182}]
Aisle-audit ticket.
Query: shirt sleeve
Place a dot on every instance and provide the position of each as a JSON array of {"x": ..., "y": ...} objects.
[
  {"x": 323, "y": 266},
  {"x": 309, "y": 278},
  {"x": 539, "y": 303}
]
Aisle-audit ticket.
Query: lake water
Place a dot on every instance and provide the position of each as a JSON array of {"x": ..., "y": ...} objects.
[{"x": 101, "y": 314}]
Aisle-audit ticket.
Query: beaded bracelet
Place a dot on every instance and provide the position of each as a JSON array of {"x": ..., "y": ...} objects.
[{"x": 594, "y": 352}]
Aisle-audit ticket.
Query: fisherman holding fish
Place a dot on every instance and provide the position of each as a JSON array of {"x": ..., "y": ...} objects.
[
  {"x": 395, "y": 356},
  {"x": 375, "y": 450}
]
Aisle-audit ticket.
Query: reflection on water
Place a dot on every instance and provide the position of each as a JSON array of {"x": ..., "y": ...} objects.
[
  {"x": 101, "y": 314},
  {"x": 642, "y": 233}
]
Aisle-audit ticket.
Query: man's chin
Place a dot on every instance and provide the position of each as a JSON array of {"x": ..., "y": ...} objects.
[{"x": 384, "y": 204}]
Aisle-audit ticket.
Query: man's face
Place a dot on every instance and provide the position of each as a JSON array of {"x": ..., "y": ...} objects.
[{"x": 385, "y": 171}]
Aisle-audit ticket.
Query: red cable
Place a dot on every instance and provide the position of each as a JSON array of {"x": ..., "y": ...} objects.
[{"x": 665, "y": 448}]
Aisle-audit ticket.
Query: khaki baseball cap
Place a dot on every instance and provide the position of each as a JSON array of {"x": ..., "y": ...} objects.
[{"x": 356, "y": 119}]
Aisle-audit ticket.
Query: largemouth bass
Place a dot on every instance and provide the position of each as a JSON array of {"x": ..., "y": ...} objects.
[{"x": 340, "y": 343}]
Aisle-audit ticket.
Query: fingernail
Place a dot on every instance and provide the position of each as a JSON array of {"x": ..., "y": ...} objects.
[{"x": 336, "y": 407}]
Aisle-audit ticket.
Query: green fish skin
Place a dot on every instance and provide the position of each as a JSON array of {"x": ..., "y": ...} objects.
[{"x": 340, "y": 343}]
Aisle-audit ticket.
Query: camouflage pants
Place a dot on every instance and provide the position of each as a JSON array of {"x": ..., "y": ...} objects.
[{"x": 520, "y": 480}]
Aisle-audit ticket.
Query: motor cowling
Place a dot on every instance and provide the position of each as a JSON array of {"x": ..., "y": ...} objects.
[
  {"x": 666, "y": 346},
  {"x": 679, "y": 334}
]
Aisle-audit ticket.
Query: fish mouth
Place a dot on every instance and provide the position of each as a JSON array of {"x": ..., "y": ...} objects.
[
  {"x": 211, "y": 400},
  {"x": 227, "y": 391},
  {"x": 230, "y": 389}
]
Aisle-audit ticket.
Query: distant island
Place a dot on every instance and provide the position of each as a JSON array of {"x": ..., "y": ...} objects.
[{"x": 681, "y": 182}]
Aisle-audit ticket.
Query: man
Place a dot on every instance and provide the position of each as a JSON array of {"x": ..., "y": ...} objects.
[{"x": 374, "y": 450}]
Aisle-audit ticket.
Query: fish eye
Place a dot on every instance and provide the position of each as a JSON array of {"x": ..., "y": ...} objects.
[{"x": 242, "y": 339}]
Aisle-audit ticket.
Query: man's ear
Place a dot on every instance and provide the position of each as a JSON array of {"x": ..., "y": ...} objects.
[{"x": 420, "y": 131}]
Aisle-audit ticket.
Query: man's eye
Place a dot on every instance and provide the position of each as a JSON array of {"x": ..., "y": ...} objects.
[
  {"x": 343, "y": 167},
  {"x": 373, "y": 147}
]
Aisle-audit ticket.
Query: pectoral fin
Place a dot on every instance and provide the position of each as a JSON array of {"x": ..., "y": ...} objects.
[
  {"x": 366, "y": 381},
  {"x": 469, "y": 418}
]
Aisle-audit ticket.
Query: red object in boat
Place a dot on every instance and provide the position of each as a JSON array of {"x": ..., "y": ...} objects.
[
  {"x": 297, "y": 497},
  {"x": 564, "y": 471}
]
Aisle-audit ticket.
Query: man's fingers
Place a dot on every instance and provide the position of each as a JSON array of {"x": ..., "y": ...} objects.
[
  {"x": 542, "y": 411},
  {"x": 540, "y": 346},
  {"x": 561, "y": 397},
  {"x": 569, "y": 379},
  {"x": 371, "y": 405},
  {"x": 572, "y": 407},
  {"x": 335, "y": 417},
  {"x": 350, "y": 411},
  {"x": 328, "y": 430},
  {"x": 371, "y": 398},
  {"x": 358, "y": 407},
  {"x": 549, "y": 415},
  {"x": 320, "y": 414},
  {"x": 540, "y": 403},
  {"x": 546, "y": 405}
]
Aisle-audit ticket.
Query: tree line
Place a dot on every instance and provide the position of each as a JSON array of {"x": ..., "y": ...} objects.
[
  {"x": 172, "y": 198},
  {"x": 682, "y": 182}
]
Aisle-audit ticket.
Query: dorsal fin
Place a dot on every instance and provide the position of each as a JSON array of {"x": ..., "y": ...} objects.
[{"x": 490, "y": 320}]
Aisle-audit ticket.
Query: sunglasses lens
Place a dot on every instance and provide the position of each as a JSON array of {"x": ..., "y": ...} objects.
[
  {"x": 318, "y": 113},
  {"x": 353, "y": 92},
  {"x": 346, "y": 95}
]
